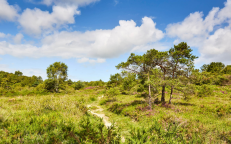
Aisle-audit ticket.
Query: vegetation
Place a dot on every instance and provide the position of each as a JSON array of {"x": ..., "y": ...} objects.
[{"x": 59, "y": 110}]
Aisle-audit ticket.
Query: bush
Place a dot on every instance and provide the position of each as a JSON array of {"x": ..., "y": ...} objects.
[
  {"x": 112, "y": 92},
  {"x": 49, "y": 84},
  {"x": 155, "y": 133},
  {"x": 221, "y": 80},
  {"x": 205, "y": 90},
  {"x": 78, "y": 85}
]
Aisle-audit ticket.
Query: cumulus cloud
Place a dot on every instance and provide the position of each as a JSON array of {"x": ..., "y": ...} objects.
[
  {"x": 36, "y": 21},
  {"x": 17, "y": 39},
  {"x": 8, "y": 12},
  {"x": 2, "y": 35},
  {"x": 217, "y": 46},
  {"x": 68, "y": 2},
  {"x": 97, "y": 44},
  {"x": 208, "y": 34},
  {"x": 84, "y": 60}
]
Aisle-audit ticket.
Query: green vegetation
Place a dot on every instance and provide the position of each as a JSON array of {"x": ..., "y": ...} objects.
[{"x": 58, "y": 110}]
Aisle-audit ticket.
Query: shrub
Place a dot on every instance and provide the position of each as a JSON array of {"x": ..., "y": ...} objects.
[
  {"x": 78, "y": 85},
  {"x": 103, "y": 102},
  {"x": 221, "y": 80},
  {"x": 205, "y": 90},
  {"x": 112, "y": 92},
  {"x": 155, "y": 133},
  {"x": 49, "y": 84}
]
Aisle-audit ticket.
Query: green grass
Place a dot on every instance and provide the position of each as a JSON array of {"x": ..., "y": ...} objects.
[
  {"x": 55, "y": 118},
  {"x": 209, "y": 116}
]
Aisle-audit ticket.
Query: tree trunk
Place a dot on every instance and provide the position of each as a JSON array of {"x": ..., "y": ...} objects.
[
  {"x": 173, "y": 76},
  {"x": 171, "y": 95},
  {"x": 163, "y": 94},
  {"x": 149, "y": 95},
  {"x": 163, "y": 91}
]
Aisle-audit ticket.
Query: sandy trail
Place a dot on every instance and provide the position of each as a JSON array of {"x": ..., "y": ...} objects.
[{"x": 105, "y": 118}]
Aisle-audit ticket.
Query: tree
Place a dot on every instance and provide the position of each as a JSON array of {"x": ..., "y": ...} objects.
[
  {"x": 129, "y": 80},
  {"x": 139, "y": 65},
  {"x": 160, "y": 59},
  {"x": 69, "y": 82},
  {"x": 215, "y": 67},
  {"x": 204, "y": 67},
  {"x": 180, "y": 58},
  {"x": 227, "y": 70},
  {"x": 116, "y": 78},
  {"x": 18, "y": 73},
  {"x": 57, "y": 72},
  {"x": 78, "y": 85}
]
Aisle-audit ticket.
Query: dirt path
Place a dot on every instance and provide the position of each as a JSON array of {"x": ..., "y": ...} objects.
[{"x": 105, "y": 118}]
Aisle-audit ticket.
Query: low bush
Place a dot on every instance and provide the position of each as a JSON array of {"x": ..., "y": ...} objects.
[
  {"x": 78, "y": 85},
  {"x": 112, "y": 92},
  {"x": 205, "y": 90}
]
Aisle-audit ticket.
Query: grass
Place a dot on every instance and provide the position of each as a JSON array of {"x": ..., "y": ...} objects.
[
  {"x": 51, "y": 118},
  {"x": 210, "y": 116}
]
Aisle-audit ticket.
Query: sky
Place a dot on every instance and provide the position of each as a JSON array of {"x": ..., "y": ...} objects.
[{"x": 92, "y": 36}]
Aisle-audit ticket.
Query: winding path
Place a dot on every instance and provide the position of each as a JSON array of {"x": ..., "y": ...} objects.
[{"x": 105, "y": 118}]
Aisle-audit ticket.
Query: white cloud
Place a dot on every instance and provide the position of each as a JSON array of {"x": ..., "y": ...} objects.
[
  {"x": 36, "y": 21},
  {"x": 97, "y": 44},
  {"x": 68, "y": 2},
  {"x": 18, "y": 38},
  {"x": 84, "y": 60},
  {"x": 116, "y": 2},
  {"x": 217, "y": 46},
  {"x": 2, "y": 35},
  {"x": 208, "y": 34},
  {"x": 8, "y": 12}
]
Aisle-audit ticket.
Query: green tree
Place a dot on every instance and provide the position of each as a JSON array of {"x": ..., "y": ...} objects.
[
  {"x": 215, "y": 67},
  {"x": 159, "y": 59},
  {"x": 129, "y": 80},
  {"x": 143, "y": 66},
  {"x": 139, "y": 65},
  {"x": 18, "y": 73},
  {"x": 115, "y": 79},
  {"x": 78, "y": 85},
  {"x": 180, "y": 58},
  {"x": 69, "y": 82},
  {"x": 227, "y": 70},
  {"x": 204, "y": 67},
  {"x": 57, "y": 72}
]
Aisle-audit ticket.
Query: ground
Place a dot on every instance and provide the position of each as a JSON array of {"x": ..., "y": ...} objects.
[{"x": 209, "y": 116}]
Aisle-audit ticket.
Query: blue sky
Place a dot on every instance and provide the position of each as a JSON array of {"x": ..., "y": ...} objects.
[{"x": 92, "y": 36}]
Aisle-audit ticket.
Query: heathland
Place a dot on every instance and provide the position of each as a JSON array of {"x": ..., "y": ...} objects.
[{"x": 159, "y": 97}]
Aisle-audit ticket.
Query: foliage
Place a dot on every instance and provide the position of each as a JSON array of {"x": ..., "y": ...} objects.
[
  {"x": 78, "y": 85},
  {"x": 213, "y": 67},
  {"x": 205, "y": 90},
  {"x": 93, "y": 130},
  {"x": 129, "y": 81},
  {"x": 155, "y": 134},
  {"x": 115, "y": 79},
  {"x": 227, "y": 70},
  {"x": 112, "y": 92},
  {"x": 8, "y": 80},
  {"x": 49, "y": 84},
  {"x": 58, "y": 73}
]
